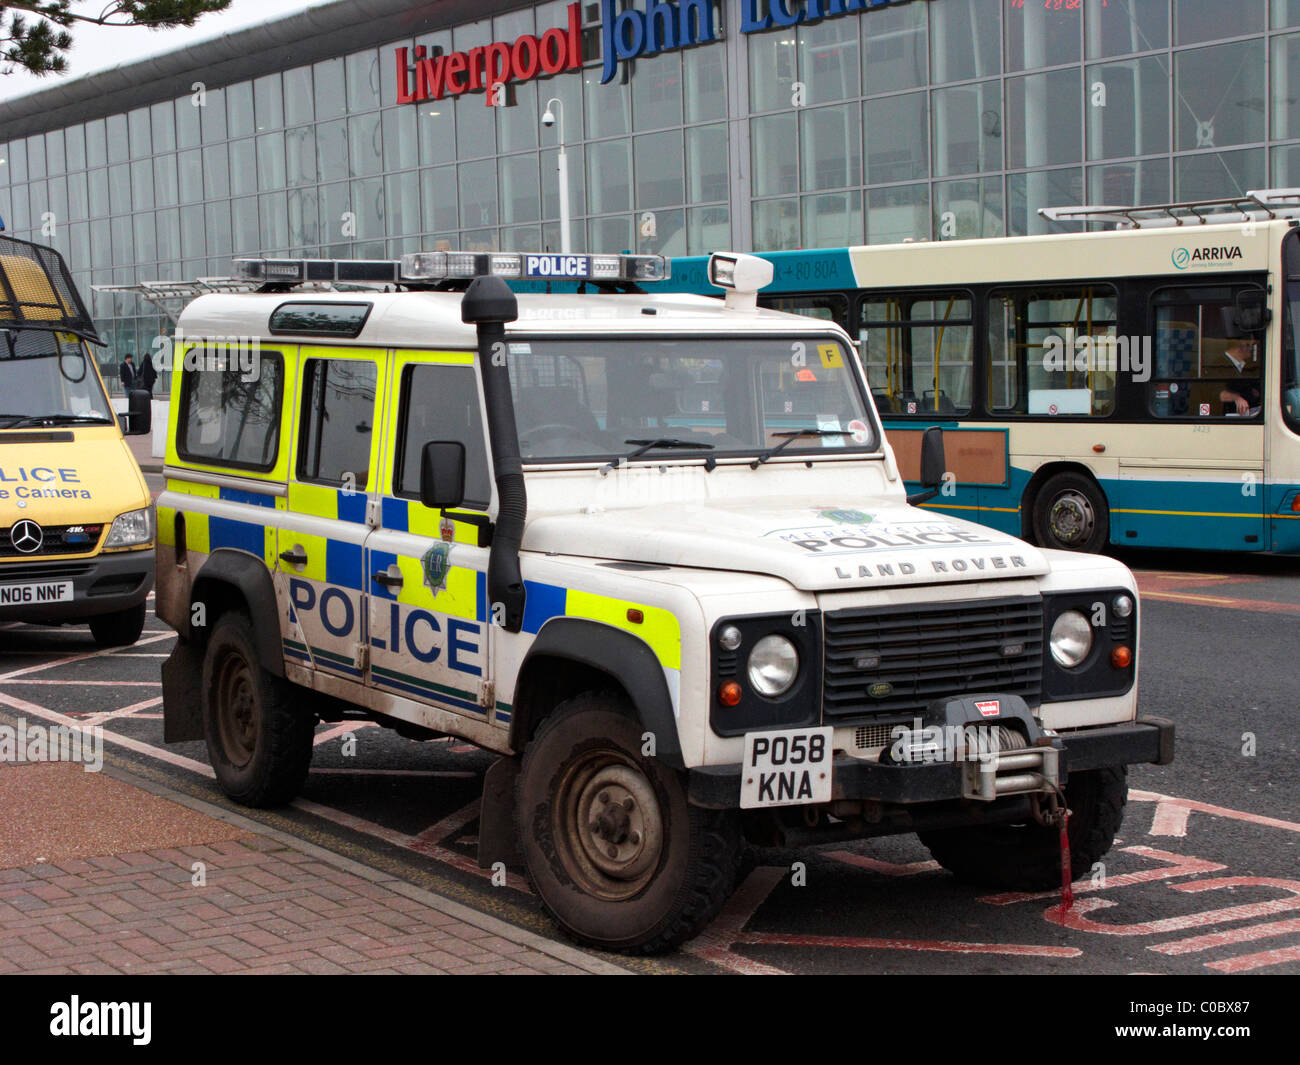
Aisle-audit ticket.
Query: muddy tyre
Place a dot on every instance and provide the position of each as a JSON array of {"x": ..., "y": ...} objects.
[
  {"x": 259, "y": 737},
  {"x": 613, "y": 849},
  {"x": 118, "y": 629},
  {"x": 1028, "y": 857},
  {"x": 1071, "y": 514}
]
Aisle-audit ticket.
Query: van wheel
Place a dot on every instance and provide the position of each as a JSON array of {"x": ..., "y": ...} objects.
[
  {"x": 1028, "y": 857},
  {"x": 614, "y": 851},
  {"x": 1071, "y": 514},
  {"x": 259, "y": 739},
  {"x": 118, "y": 629}
]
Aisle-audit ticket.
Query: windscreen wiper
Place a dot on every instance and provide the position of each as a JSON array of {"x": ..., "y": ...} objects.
[
  {"x": 668, "y": 443},
  {"x": 40, "y": 419},
  {"x": 791, "y": 436}
]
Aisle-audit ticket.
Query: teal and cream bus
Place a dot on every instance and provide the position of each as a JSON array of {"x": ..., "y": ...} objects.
[{"x": 1137, "y": 385}]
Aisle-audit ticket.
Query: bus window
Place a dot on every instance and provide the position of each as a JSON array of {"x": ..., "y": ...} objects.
[
  {"x": 1290, "y": 349},
  {"x": 1205, "y": 367},
  {"x": 1053, "y": 351},
  {"x": 826, "y": 307},
  {"x": 918, "y": 351}
]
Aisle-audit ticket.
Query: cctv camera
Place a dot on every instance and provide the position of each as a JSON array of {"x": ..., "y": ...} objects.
[{"x": 548, "y": 119}]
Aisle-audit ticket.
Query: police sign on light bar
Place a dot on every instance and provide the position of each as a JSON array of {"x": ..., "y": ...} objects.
[
  {"x": 557, "y": 266},
  {"x": 440, "y": 265}
]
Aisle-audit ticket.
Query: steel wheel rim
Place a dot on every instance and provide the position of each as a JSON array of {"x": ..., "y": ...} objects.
[{"x": 237, "y": 709}]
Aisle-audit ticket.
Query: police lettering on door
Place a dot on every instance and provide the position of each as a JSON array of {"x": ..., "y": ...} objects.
[{"x": 420, "y": 635}]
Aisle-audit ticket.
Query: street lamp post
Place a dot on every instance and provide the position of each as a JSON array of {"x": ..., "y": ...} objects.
[{"x": 561, "y": 167}]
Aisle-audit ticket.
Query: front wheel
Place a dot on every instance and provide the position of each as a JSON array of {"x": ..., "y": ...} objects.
[
  {"x": 118, "y": 629},
  {"x": 259, "y": 738},
  {"x": 1028, "y": 857},
  {"x": 614, "y": 851},
  {"x": 1070, "y": 514}
]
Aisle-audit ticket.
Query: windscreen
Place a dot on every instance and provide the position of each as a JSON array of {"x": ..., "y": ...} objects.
[
  {"x": 47, "y": 378},
  {"x": 581, "y": 400}
]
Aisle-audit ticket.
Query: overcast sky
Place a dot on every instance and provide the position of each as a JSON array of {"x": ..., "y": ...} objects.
[{"x": 100, "y": 47}]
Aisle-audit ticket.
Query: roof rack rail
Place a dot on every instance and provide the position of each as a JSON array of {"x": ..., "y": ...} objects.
[{"x": 1268, "y": 203}]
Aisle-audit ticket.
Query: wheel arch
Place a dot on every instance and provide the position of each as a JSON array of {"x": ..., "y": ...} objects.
[
  {"x": 573, "y": 655},
  {"x": 1044, "y": 473},
  {"x": 233, "y": 579}
]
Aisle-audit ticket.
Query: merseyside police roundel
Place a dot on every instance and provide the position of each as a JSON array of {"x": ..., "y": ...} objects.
[{"x": 436, "y": 564}]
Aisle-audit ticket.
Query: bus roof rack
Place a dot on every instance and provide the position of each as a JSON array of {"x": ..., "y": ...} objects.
[{"x": 1256, "y": 204}]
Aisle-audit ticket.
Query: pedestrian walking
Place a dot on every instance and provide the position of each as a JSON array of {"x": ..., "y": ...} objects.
[{"x": 127, "y": 374}]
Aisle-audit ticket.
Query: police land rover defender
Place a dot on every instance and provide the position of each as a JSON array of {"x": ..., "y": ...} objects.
[{"x": 654, "y": 551}]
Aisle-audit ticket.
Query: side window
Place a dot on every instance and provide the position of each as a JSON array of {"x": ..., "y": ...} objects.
[
  {"x": 1205, "y": 367},
  {"x": 825, "y": 307},
  {"x": 230, "y": 416},
  {"x": 918, "y": 351},
  {"x": 441, "y": 403},
  {"x": 1054, "y": 350},
  {"x": 338, "y": 411}
]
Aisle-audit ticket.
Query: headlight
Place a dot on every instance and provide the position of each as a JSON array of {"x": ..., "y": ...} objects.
[
  {"x": 1071, "y": 639},
  {"x": 773, "y": 665},
  {"x": 131, "y": 529}
]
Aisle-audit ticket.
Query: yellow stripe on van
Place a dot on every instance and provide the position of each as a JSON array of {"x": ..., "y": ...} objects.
[{"x": 659, "y": 629}]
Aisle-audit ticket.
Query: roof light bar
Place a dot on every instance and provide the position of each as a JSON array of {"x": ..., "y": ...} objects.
[
  {"x": 532, "y": 266},
  {"x": 295, "y": 271}
]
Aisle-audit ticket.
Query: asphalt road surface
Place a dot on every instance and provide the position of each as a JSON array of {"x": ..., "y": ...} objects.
[{"x": 1205, "y": 877}]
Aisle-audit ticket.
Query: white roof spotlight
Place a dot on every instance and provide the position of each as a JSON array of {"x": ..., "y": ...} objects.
[{"x": 741, "y": 275}]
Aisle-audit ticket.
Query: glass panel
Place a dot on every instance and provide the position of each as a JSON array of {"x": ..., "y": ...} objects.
[
  {"x": 831, "y": 142},
  {"x": 968, "y": 208},
  {"x": 332, "y": 148},
  {"x": 138, "y": 126},
  {"x": 243, "y": 166},
  {"x": 1286, "y": 87},
  {"x": 96, "y": 144},
  {"x": 898, "y": 213},
  {"x": 327, "y": 78},
  {"x": 304, "y": 219},
  {"x": 300, "y": 155},
  {"x": 192, "y": 242},
  {"x": 164, "y": 180},
  {"x": 402, "y": 203},
  {"x": 1044, "y": 119},
  {"x": 1130, "y": 183},
  {"x": 832, "y": 220},
  {"x": 1122, "y": 26},
  {"x": 707, "y": 229},
  {"x": 239, "y": 109},
  {"x": 1285, "y": 13},
  {"x": 478, "y": 193},
  {"x": 141, "y": 185},
  {"x": 401, "y": 144},
  {"x": 964, "y": 39},
  {"x": 1220, "y": 93},
  {"x": 967, "y": 128},
  {"x": 774, "y": 155},
  {"x": 894, "y": 56},
  {"x": 247, "y": 232},
  {"x": 169, "y": 235},
  {"x": 1128, "y": 108},
  {"x": 519, "y": 188},
  {"x": 365, "y": 143},
  {"x": 118, "y": 150},
  {"x": 609, "y": 176},
  {"x": 213, "y": 118},
  {"x": 776, "y": 224},
  {"x": 438, "y": 198},
  {"x": 298, "y": 98},
  {"x": 1196, "y": 21},
  {"x": 216, "y": 171},
  {"x": 1042, "y": 34},
  {"x": 525, "y": 238},
  {"x": 608, "y": 108},
  {"x": 659, "y": 170},
  {"x": 551, "y": 186},
  {"x": 363, "y": 81},
  {"x": 476, "y": 127},
  {"x": 773, "y": 70},
  {"x": 1207, "y": 175},
  {"x": 268, "y": 103},
  {"x": 275, "y": 221},
  {"x": 368, "y": 203},
  {"x": 55, "y": 157},
  {"x": 1286, "y": 166},
  {"x": 270, "y": 161},
  {"x": 1026, "y": 193},
  {"x": 661, "y": 232},
  {"x": 706, "y": 88},
  {"x": 75, "y": 141},
  {"x": 119, "y": 188},
  {"x": 1203, "y": 370},
  {"x": 187, "y": 122},
  {"x": 228, "y": 420},
  {"x": 707, "y": 174},
  {"x": 896, "y": 138},
  {"x": 918, "y": 352},
  {"x": 78, "y": 203},
  {"x": 338, "y": 411},
  {"x": 657, "y": 101},
  {"x": 829, "y": 60},
  {"x": 217, "y": 217},
  {"x": 163, "y": 123},
  {"x": 146, "y": 247},
  {"x": 97, "y": 181},
  {"x": 441, "y": 403},
  {"x": 517, "y": 124},
  {"x": 611, "y": 235},
  {"x": 436, "y": 120}
]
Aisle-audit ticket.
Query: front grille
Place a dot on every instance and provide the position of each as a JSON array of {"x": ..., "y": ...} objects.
[
  {"x": 43, "y": 571},
  {"x": 57, "y": 540},
  {"x": 897, "y": 660},
  {"x": 868, "y": 736}
]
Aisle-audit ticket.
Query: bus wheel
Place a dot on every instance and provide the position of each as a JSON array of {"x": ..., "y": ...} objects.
[
  {"x": 613, "y": 849},
  {"x": 259, "y": 739},
  {"x": 1070, "y": 514}
]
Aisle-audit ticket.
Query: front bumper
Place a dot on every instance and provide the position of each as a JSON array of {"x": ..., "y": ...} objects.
[
  {"x": 1149, "y": 739},
  {"x": 101, "y": 585}
]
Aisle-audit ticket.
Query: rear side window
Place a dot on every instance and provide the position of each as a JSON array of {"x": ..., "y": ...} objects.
[
  {"x": 441, "y": 403},
  {"x": 338, "y": 421},
  {"x": 320, "y": 319},
  {"x": 230, "y": 413}
]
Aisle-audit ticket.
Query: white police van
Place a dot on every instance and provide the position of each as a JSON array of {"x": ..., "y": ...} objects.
[{"x": 654, "y": 551}]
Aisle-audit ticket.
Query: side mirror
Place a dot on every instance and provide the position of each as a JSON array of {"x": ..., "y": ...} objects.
[
  {"x": 442, "y": 474},
  {"x": 139, "y": 418},
  {"x": 1251, "y": 312},
  {"x": 933, "y": 465}
]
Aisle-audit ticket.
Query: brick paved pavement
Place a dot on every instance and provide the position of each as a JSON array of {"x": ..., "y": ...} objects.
[{"x": 268, "y": 903}]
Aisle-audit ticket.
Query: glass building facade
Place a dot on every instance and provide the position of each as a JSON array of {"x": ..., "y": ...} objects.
[{"x": 932, "y": 119}]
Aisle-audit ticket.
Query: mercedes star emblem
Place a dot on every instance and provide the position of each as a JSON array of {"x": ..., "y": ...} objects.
[{"x": 26, "y": 536}]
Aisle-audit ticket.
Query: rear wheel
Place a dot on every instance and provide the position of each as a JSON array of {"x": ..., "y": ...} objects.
[
  {"x": 259, "y": 738},
  {"x": 1028, "y": 857},
  {"x": 1071, "y": 514},
  {"x": 118, "y": 629},
  {"x": 615, "y": 852}
]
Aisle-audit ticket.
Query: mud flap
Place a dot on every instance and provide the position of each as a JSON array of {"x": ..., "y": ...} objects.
[
  {"x": 182, "y": 677},
  {"x": 497, "y": 839}
]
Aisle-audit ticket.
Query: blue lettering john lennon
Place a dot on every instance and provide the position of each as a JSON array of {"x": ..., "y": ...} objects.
[
  {"x": 420, "y": 634},
  {"x": 665, "y": 24},
  {"x": 41, "y": 482}
]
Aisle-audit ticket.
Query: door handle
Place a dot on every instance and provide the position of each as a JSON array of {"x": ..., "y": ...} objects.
[
  {"x": 295, "y": 556},
  {"x": 388, "y": 580}
]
